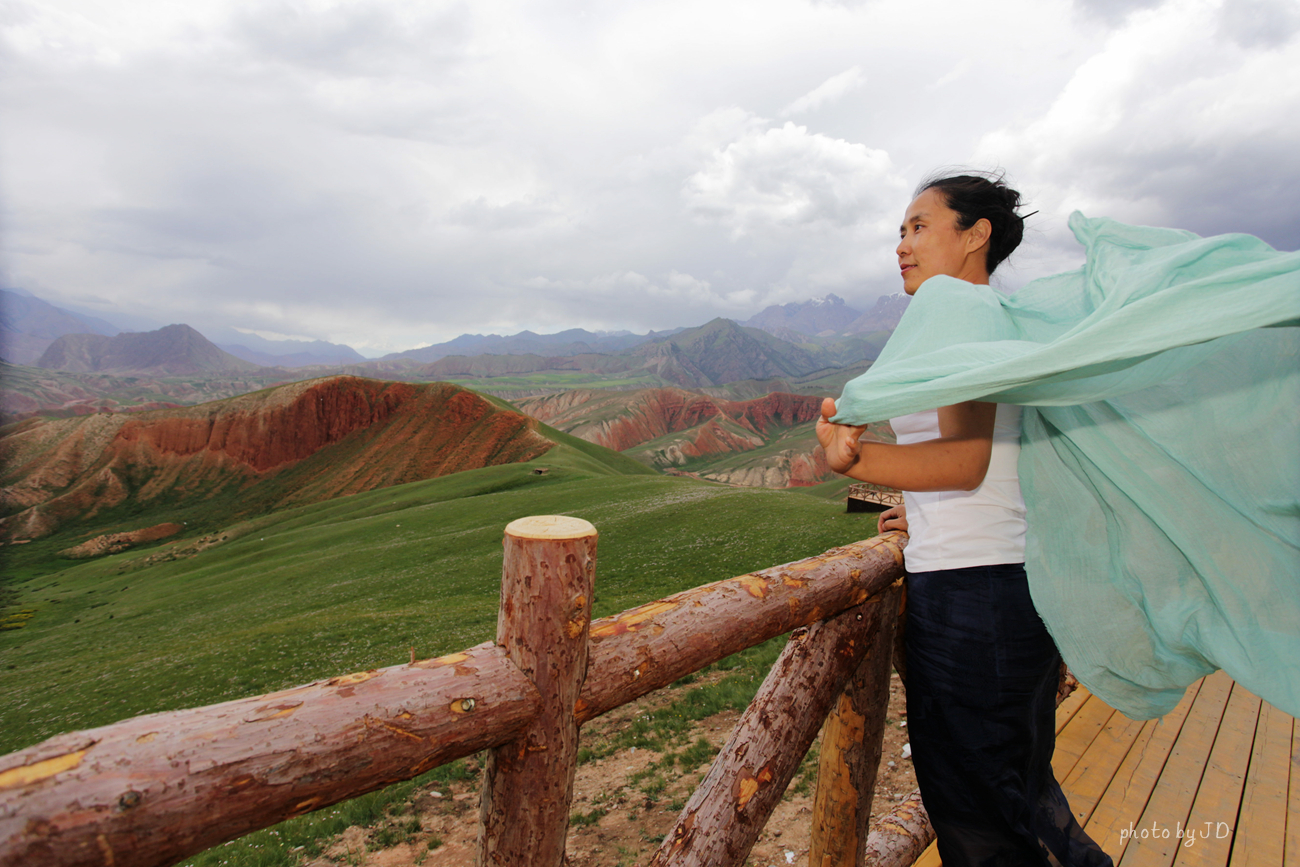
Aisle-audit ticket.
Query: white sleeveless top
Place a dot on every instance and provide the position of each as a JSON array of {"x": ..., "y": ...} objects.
[{"x": 954, "y": 529}]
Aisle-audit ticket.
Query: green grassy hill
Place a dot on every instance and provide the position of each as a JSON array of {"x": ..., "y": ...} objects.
[{"x": 355, "y": 582}]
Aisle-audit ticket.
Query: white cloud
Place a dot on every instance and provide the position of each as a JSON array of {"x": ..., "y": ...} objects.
[
  {"x": 829, "y": 91},
  {"x": 275, "y": 335},
  {"x": 1171, "y": 124},
  {"x": 385, "y": 173},
  {"x": 787, "y": 178}
]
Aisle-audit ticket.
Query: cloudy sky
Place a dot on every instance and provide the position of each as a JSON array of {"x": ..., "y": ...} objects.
[{"x": 388, "y": 174}]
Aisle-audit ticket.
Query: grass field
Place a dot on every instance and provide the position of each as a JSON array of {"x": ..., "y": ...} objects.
[{"x": 353, "y": 583}]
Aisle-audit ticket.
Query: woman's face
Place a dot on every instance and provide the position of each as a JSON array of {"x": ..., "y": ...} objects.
[{"x": 931, "y": 244}]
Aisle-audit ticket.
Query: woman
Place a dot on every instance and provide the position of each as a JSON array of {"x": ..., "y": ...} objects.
[{"x": 982, "y": 669}]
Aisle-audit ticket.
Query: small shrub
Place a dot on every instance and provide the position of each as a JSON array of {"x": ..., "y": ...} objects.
[
  {"x": 582, "y": 820},
  {"x": 699, "y": 753}
]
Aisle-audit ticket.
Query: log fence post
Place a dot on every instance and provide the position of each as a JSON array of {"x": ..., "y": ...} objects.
[
  {"x": 723, "y": 819},
  {"x": 543, "y": 624},
  {"x": 852, "y": 740}
]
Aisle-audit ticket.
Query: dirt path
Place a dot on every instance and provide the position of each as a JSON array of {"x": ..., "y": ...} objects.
[{"x": 624, "y": 803}]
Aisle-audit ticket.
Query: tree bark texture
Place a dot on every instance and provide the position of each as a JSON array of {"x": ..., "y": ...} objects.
[
  {"x": 546, "y": 588},
  {"x": 155, "y": 789},
  {"x": 900, "y": 836},
  {"x": 852, "y": 740},
  {"x": 649, "y": 647},
  {"x": 724, "y": 817}
]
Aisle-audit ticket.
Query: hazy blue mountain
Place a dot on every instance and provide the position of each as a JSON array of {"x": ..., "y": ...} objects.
[
  {"x": 723, "y": 351},
  {"x": 303, "y": 353},
  {"x": 810, "y": 317},
  {"x": 883, "y": 316},
  {"x": 29, "y": 325},
  {"x": 175, "y": 350},
  {"x": 575, "y": 341}
]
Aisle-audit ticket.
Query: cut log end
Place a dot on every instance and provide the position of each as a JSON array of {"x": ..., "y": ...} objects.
[{"x": 550, "y": 527}]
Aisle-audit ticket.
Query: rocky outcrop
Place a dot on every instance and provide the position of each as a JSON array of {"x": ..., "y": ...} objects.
[
  {"x": 303, "y": 442},
  {"x": 707, "y": 440},
  {"x": 789, "y": 468},
  {"x": 113, "y": 543}
]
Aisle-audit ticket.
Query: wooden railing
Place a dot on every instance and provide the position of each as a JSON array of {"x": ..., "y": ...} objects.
[{"x": 155, "y": 789}]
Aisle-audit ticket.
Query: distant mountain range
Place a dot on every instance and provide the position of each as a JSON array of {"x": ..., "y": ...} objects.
[
  {"x": 575, "y": 341},
  {"x": 829, "y": 317},
  {"x": 713, "y": 354},
  {"x": 306, "y": 354},
  {"x": 86, "y": 371},
  {"x": 884, "y": 316},
  {"x": 29, "y": 326}
]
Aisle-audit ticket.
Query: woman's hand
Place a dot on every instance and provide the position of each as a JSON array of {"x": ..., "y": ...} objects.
[
  {"x": 839, "y": 441},
  {"x": 892, "y": 519}
]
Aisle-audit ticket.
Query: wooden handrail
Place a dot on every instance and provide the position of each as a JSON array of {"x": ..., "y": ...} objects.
[
  {"x": 153, "y": 790},
  {"x": 650, "y": 646}
]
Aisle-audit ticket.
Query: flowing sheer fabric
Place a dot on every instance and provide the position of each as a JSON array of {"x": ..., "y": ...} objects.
[{"x": 1160, "y": 452}]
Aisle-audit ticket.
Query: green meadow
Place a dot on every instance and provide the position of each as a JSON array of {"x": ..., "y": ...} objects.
[{"x": 355, "y": 583}]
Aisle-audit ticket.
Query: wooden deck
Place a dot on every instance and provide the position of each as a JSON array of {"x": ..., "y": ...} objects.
[{"x": 1223, "y": 765}]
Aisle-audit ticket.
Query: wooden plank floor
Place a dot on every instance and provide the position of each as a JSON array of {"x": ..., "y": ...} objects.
[{"x": 1213, "y": 783}]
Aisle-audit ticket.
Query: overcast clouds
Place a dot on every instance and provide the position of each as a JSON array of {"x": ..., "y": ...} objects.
[{"x": 388, "y": 174}]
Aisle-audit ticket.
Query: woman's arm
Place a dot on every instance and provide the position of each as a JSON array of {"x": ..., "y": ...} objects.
[{"x": 956, "y": 461}]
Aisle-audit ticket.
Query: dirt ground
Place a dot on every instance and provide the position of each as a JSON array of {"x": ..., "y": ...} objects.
[{"x": 622, "y": 808}]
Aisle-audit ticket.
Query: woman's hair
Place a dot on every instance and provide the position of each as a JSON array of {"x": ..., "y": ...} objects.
[{"x": 976, "y": 197}]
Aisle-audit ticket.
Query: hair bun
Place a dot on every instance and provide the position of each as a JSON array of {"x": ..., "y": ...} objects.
[{"x": 984, "y": 196}]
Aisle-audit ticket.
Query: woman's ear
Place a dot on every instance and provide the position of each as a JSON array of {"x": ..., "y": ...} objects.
[{"x": 978, "y": 235}]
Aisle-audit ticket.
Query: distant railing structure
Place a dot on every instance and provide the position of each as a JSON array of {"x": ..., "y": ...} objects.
[
  {"x": 156, "y": 789},
  {"x": 868, "y": 497}
]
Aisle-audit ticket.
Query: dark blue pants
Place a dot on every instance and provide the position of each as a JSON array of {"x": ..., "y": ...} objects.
[{"x": 982, "y": 673}]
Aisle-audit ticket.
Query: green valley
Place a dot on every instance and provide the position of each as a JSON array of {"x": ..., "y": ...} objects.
[{"x": 356, "y": 582}]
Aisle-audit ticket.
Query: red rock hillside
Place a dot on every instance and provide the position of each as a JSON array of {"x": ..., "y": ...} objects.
[
  {"x": 765, "y": 442},
  {"x": 297, "y": 443},
  {"x": 621, "y": 420}
]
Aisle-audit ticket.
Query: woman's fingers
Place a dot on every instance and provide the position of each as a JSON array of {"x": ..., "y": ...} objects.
[
  {"x": 892, "y": 519},
  {"x": 839, "y": 441}
]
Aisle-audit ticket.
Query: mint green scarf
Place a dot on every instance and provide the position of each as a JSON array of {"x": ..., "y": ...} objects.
[{"x": 1160, "y": 458}]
